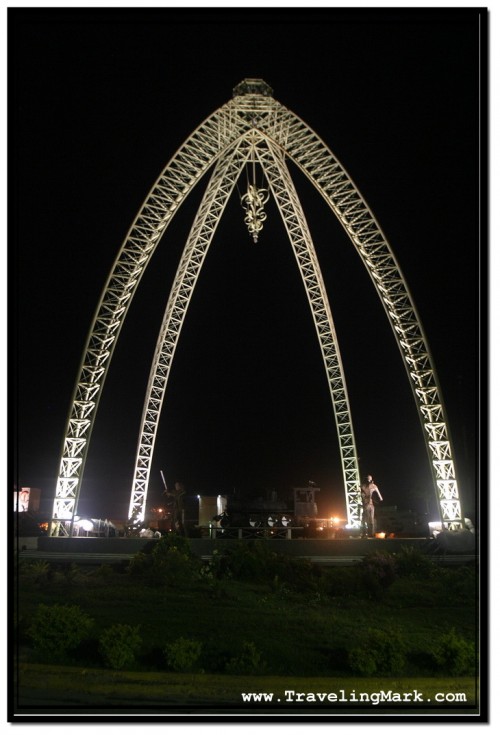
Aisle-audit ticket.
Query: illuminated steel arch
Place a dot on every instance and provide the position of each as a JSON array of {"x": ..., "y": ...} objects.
[{"x": 252, "y": 126}]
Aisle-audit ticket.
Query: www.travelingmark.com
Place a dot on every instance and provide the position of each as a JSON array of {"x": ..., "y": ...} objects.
[{"x": 342, "y": 696}]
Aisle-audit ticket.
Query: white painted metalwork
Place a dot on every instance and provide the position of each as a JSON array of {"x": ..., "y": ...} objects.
[
  {"x": 209, "y": 213},
  {"x": 253, "y": 108},
  {"x": 253, "y": 202},
  {"x": 273, "y": 163}
]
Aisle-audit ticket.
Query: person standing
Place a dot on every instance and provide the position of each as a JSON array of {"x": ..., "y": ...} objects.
[{"x": 368, "y": 488}]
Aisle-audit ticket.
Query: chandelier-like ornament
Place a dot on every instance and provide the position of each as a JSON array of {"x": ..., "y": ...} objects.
[{"x": 253, "y": 202}]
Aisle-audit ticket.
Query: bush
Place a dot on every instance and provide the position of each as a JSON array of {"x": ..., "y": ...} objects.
[
  {"x": 249, "y": 661},
  {"x": 73, "y": 575},
  {"x": 36, "y": 573},
  {"x": 140, "y": 564},
  {"x": 103, "y": 572},
  {"x": 58, "y": 629},
  {"x": 380, "y": 653},
  {"x": 455, "y": 655},
  {"x": 183, "y": 654},
  {"x": 458, "y": 585},
  {"x": 119, "y": 645},
  {"x": 247, "y": 561},
  {"x": 379, "y": 572},
  {"x": 257, "y": 560},
  {"x": 168, "y": 561},
  {"x": 345, "y": 583},
  {"x": 411, "y": 562},
  {"x": 362, "y": 662}
]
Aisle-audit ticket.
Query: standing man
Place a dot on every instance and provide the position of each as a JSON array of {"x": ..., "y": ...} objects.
[{"x": 368, "y": 519}]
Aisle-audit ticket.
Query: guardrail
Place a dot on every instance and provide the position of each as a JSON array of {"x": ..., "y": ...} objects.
[{"x": 216, "y": 532}]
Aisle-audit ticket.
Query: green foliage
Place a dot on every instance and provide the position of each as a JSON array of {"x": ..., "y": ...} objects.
[
  {"x": 216, "y": 567},
  {"x": 455, "y": 655},
  {"x": 256, "y": 560},
  {"x": 247, "y": 561},
  {"x": 249, "y": 661},
  {"x": 411, "y": 562},
  {"x": 345, "y": 582},
  {"x": 408, "y": 592},
  {"x": 172, "y": 541},
  {"x": 379, "y": 572},
  {"x": 34, "y": 572},
  {"x": 380, "y": 652},
  {"x": 458, "y": 585},
  {"x": 73, "y": 576},
  {"x": 183, "y": 654},
  {"x": 268, "y": 607},
  {"x": 58, "y": 629},
  {"x": 119, "y": 645},
  {"x": 167, "y": 561},
  {"x": 104, "y": 572},
  {"x": 140, "y": 564},
  {"x": 362, "y": 662}
]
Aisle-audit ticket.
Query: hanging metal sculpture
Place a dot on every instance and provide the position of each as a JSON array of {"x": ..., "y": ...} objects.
[{"x": 253, "y": 202}]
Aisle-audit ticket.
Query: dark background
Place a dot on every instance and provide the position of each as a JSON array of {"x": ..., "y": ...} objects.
[{"x": 100, "y": 100}]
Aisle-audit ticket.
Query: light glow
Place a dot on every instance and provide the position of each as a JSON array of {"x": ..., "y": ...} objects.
[{"x": 86, "y": 525}]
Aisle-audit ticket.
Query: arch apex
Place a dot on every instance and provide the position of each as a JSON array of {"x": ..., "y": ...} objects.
[{"x": 254, "y": 87}]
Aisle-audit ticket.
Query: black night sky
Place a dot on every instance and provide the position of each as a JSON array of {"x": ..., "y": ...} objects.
[{"x": 99, "y": 102}]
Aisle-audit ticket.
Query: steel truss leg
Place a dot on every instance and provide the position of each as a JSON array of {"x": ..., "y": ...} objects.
[
  {"x": 285, "y": 194},
  {"x": 193, "y": 159},
  {"x": 320, "y": 166},
  {"x": 207, "y": 218}
]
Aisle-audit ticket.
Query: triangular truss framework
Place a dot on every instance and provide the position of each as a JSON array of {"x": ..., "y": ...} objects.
[{"x": 251, "y": 126}]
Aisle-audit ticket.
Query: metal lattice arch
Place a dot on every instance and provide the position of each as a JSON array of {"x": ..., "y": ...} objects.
[{"x": 251, "y": 127}]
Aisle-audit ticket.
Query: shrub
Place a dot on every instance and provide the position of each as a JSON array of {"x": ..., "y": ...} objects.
[
  {"x": 103, "y": 572},
  {"x": 249, "y": 661},
  {"x": 183, "y": 654},
  {"x": 172, "y": 567},
  {"x": 168, "y": 560},
  {"x": 119, "y": 645},
  {"x": 216, "y": 567},
  {"x": 379, "y": 653},
  {"x": 362, "y": 662},
  {"x": 455, "y": 655},
  {"x": 411, "y": 562},
  {"x": 345, "y": 582},
  {"x": 36, "y": 573},
  {"x": 257, "y": 560},
  {"x": 248, "y": 561},
  {"x": 57, "y": 629},
  {"x": 379, "y": 572},
  {"x": 458, "y": 585},
  {"x": 140, "y": 564},
  {"x": 74, "y": 576},
  {"x": 172, "y": 541}
]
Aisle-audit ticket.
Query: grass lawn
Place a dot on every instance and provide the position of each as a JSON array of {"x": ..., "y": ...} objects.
[
  {"x": 166, "y": 692},
  {"x": 281, "y": 626}
]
